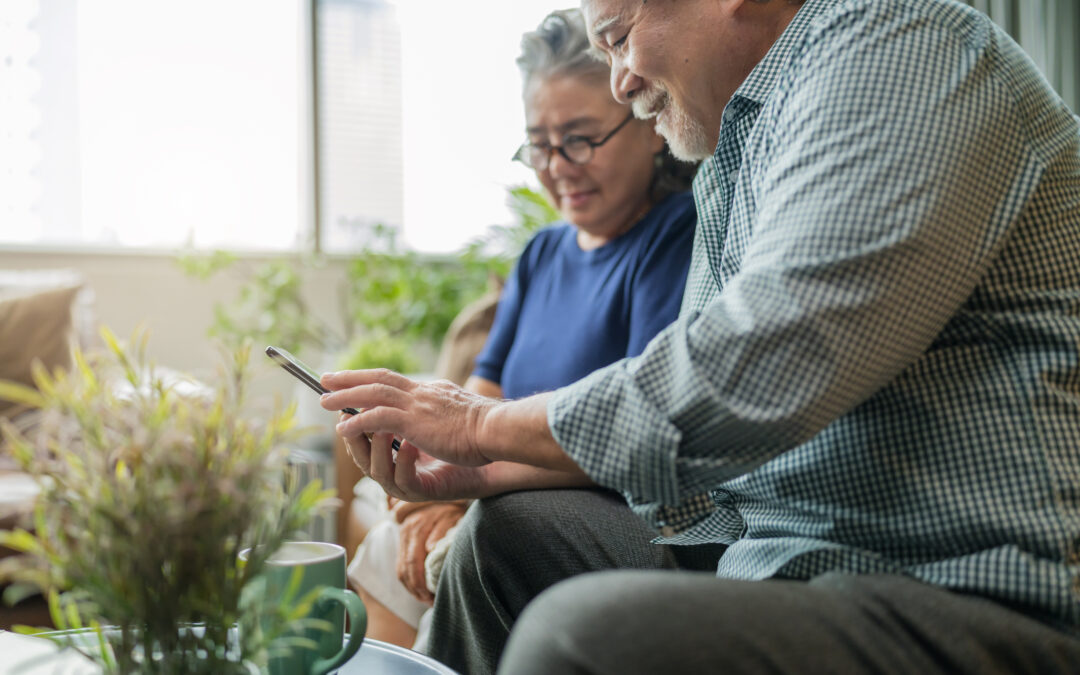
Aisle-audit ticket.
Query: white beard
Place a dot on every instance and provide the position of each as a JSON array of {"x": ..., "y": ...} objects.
[{"x": 685, "y": 136}]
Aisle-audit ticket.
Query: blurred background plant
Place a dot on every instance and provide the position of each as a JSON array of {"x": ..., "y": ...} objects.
[
  {"x": 395, "y": 304},
  {"x": 150, "y": 490}
]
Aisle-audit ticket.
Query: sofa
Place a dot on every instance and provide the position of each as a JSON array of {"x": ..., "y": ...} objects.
[{"x": 43, "y": 314}]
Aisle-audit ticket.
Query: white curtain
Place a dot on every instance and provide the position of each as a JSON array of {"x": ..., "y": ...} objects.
[{"x": 1048, "y": 30}]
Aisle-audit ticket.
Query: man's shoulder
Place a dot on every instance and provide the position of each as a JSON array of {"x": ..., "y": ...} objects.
[{"x": 877, "y": 18}]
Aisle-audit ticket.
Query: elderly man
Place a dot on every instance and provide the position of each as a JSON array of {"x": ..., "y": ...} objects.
[{"x": 872, "y": 393}]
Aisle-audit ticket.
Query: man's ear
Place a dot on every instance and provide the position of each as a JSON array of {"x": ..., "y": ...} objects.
[{"x": 732, "y": 7}]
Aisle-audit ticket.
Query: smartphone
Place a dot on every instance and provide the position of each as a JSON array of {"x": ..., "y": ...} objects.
[{"x": 302, "y": 372}]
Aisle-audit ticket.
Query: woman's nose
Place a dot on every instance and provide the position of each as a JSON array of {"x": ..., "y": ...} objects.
[{"x": 559, "y": 166}]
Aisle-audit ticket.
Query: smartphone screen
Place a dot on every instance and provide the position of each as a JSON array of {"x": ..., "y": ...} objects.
[{"x": 302, "y": 372}]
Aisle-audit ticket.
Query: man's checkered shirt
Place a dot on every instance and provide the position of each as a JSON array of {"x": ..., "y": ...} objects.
[{"x": 877, "y": 365}]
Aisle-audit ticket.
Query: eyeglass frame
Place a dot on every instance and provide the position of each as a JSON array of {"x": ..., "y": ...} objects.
[{"x": 522, "y": 152}]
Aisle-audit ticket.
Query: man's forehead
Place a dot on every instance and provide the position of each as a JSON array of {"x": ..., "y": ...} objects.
[{"x": 600, "y": 14}]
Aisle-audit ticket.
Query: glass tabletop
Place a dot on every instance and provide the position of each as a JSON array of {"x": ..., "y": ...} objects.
[
  {"x": 378, "y": 658},
  {"x": 374, "y": 657}
]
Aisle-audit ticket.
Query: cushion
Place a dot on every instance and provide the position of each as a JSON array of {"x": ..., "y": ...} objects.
[
  {"x": 466, "y": 337},
  {"x": 34, "y": 325},
  {"x": 22, "y": 282}
]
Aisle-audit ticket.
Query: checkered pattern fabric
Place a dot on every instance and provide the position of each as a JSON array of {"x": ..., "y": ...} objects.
[{"x": 877, "y": 363}]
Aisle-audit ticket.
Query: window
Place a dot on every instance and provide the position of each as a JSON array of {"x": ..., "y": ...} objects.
[
  {"x": 463, "y": 115},
  {"x": 141, "y": 124},
  {"x": 418, "y": 117},
  {"x": 157, "y": 125},
  {"x": 358, "y": 75},
  {"x": 1049, "y": 31},
  {"x": 126, "y": 123}
]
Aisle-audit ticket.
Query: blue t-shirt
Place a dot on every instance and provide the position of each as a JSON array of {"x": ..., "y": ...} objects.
[{"x": 566, "y": 312}]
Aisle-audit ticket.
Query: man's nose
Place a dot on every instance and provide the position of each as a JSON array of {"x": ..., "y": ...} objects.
[{"x": 624, "y": 83}]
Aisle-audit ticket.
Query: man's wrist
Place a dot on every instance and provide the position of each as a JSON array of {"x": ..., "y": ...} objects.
[
  {"x": 491, "y": 423},
  {"x": 517, "y": 431}
]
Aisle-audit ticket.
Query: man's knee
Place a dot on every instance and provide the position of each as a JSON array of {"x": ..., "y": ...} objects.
[
  {"x": 547, "y": 636},
  {"x": 494, "y": 532},
  {"x": 498, "y": 545}
]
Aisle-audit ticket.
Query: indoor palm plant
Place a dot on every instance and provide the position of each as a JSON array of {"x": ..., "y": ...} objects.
[{"x": 150, "y": 489}]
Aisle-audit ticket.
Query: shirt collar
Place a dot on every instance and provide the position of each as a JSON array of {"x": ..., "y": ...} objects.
[{"x": 761, "y": 81}]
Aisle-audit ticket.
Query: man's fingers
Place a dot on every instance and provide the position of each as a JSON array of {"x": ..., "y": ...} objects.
[
  {"x": 382, "y": 464},
  {"x": 355, "y": 378},
  {"x": 360, "y": 453},
  {"x": 405, "y": 470},
  {"x": 358, "y": 448},
  {"x": 370, "y": 419},
  {"x": 376, "y": 395}
]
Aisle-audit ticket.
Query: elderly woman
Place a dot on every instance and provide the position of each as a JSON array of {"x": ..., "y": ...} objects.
[{"x": 586, "y": 292}]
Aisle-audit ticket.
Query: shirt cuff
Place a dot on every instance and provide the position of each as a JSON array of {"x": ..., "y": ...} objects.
[{"x": 616, "y": 436}]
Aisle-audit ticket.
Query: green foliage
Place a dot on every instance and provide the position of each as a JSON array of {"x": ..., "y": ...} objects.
[
  {"x": 270, "y": 307},
  {"x": 395, "y": 298},
  {"x": 381, "y": 351},
  {"x": 204, "y": 267},
  {"x": 395, "y": 293},
  {"x": 149, "y": 493}
]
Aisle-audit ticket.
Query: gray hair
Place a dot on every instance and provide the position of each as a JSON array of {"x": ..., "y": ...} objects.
[{"x": 560, "y": 46}]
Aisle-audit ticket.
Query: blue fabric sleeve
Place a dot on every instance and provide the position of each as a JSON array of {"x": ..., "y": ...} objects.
[
  {"x": 489, "y": 363},
  {"x": 660, "y": 279}
]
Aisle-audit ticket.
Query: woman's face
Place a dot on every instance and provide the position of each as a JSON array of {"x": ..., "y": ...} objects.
[{"x": 607, "y": 195}]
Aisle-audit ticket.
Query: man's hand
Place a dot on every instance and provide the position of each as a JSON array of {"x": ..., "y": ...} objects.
[
  {"x": 440, "y": 417},
  {"x": 420, "y": 531},
  {"x": 414, "y": 476},
  {"x": 457, "y": 444}
]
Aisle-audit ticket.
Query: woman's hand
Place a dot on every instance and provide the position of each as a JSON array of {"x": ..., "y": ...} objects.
[{"x": 420, "y": 531}]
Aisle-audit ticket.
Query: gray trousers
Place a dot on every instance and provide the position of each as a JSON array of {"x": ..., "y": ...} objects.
[
  {"x": 512, "y": 547},
  {"x": 681, "y": 622}
]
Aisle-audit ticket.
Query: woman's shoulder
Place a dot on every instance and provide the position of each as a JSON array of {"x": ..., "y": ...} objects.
[
  {"x": 677, "y": 208},
  {"x": 545, "y": 242},
  {"x": 674, "y": 217}
]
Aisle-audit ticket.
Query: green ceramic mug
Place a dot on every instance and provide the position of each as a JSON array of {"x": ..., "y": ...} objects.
[{"x": 323, "y": 568}]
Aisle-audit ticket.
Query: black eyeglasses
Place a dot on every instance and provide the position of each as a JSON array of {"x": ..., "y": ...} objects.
[{"x": 575, "y": 149}]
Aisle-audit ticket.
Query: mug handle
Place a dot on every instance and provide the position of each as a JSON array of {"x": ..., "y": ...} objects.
[{"x": 357, "y": 627}]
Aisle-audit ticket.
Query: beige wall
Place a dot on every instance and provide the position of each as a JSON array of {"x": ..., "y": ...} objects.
[{"x": 150, "y": 289}]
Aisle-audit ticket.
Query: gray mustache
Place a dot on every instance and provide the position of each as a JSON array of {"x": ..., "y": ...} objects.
[{"x": 648, "y": 104}]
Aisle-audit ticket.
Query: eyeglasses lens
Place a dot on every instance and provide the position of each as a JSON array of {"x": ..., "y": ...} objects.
[{"x": 578, "y": 150}]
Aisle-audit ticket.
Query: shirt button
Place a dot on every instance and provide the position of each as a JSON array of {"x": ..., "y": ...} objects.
[
  {"x": 733, "y": 176},
  {"x": 667, "y": 531}
]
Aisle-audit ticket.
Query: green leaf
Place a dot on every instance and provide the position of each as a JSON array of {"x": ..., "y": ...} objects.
[
  {"x": 17, "y": 592},
  {"x": 55, "y": 611},
  {"x": 20, "y": 540},
  {"x": 15, "y": 392}
]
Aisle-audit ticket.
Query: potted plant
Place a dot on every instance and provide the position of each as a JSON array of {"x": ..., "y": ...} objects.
[
  {"x": 150, "y": 488},
  {"x": 395, "y": 304}
]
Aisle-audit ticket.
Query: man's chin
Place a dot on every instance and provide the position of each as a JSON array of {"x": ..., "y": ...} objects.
[{"x": 687, "y": 150}]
